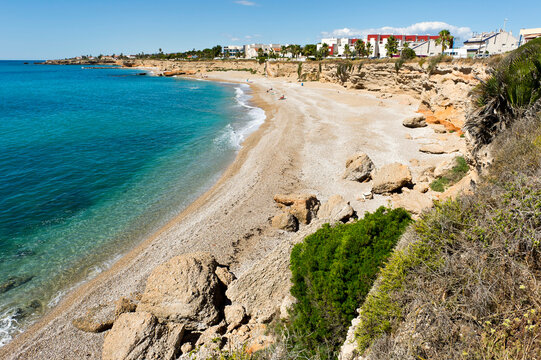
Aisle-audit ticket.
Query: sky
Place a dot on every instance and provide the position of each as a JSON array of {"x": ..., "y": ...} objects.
[{"x": 51, "y": 29}]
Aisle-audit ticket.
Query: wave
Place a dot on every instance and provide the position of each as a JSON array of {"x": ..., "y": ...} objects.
[
  {"x": 256, "y": 117},
  {"x": 8, "y": 326}
]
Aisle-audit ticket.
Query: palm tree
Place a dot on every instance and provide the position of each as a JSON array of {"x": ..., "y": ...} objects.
[
  {"x": 391, "y": 46},
  {"x": 368, "y": 50},
  {"x": 360, "y": 48},
  {"x": 445, "y": 39},
  {"x": 324, "y": 50},
  {"x": 347, "y": 51}
]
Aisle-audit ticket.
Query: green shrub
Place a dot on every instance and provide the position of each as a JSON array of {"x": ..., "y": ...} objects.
[
  {"x": 451, "y": 177},
  {"x": 333, "y": 270},
  {"x": 408, "y": 54}
]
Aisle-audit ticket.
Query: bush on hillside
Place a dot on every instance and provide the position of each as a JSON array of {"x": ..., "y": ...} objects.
[
  {"x": 332, "y": 271},
  {"x": 468, "y": 284},
  {"x": 514, "y": 87}
]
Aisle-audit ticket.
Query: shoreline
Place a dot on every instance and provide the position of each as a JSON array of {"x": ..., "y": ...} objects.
[
  {"x": 301, "y": 146},
  {"x": 76, "y": 291}
]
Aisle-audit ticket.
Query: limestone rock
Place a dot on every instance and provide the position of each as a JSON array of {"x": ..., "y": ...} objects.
[
  {"x": 213, "y": 337},
  {"x": 97, "y": 319},
  {"x": 415, "y": 121},
  {"x": 390, "y": 178},
  {"x": 234, "y": 316},
  {"x": 439, "y": 129},
  {"x": 139, "y": 336},
  {"x": 186, "y": 348},
  {"x": 432, "y": 149},
  {"x": 262, "y": 288},
  {"x": 303, "y": 206},
  {"x": 285, "y": 221},
  {"x": 413, "y": 201},
  {"x": 87, "y": 325},
  {"x": 287, "y": 304},
  {"x": 358, "y": 167},
  {"x": 185, "y": 290},
  {"x": 124, "y": 305},
  {"x": 224, "y": 275},
  {"x": 438, "y": 148},
  {"x": 421, "y": 187},
  {"x": 336, "y": 209}
]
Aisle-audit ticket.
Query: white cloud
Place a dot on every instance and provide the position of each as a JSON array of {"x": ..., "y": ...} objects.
[
  {"x": 245, "y": 3},
  {"x": 421, "y": 28}
]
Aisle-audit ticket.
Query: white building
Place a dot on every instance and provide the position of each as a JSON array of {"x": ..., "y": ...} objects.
[
  {"x": 459, "y": 53},
  {"x": 528, "y": 34},
  {"x": 252, "y": 50},
  {"x": 426, "y": 48},
  {"x": 233, "y": 50},
  {"x": 337, "y": 46},
  {"x": 490, "y": 43}
]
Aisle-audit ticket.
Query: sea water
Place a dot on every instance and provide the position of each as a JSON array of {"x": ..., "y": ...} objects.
[{"x": 93, "y": 161}]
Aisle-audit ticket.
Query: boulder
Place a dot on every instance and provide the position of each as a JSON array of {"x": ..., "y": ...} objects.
[
  {"x": 224, "y": 275},
  {"x": 234, "y": 316},
  {"x": 390, "y": 178},
  {"x": 97, "y": 319},
  {"x": 336, "y": 209},
  {"x": 416, "y": 121},
  {"x": 186, "y": 348},
  {"x": 285, "y": 221},
  {"x": 358, "y": 167},
  {"x": 262, "y": 287},
  {"x": 413, "y": 201},
  {"x": 139, "y": 336},
  {"x": 432, "y": 149},
  {"x": 303, "y": 206},
  {"x": 438, "y": 148},
  {"x": 421, "y": 187},
  {"x": 186, "y": 290}
]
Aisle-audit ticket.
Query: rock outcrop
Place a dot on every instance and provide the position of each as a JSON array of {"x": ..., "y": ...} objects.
[
  {"x": 391, "y": 177},
  {"x": 416, "y": 121},
  {"x": 303, "y": 206},
  {"x": 184, "y": 290},
  {"x": 336, "y": 209},
  {"x": 358, "y": 167},
  {"x": 285, "y": 221},
  {"x": 139, "y": 336}
]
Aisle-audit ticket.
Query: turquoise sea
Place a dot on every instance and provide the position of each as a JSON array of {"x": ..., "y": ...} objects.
[{"x": 92, "y": 162}]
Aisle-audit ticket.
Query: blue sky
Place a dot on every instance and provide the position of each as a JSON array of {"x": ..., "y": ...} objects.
[{"x": 44, "y": 29}]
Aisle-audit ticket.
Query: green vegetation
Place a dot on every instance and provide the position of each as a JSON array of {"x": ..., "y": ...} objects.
[
  {"x": 452, "y": 176},
  {"x": 343, "y": 70},
  {"x": 406, "y": 54},
  {"x": 332, "y": 271},
  {"x": 466, "y": 285},
  {"x": 445, "y": 40},
  {"x": 516, "y": 82},
  {"x": 508, "y": 93},
  {"x": 391, "y": 46}
]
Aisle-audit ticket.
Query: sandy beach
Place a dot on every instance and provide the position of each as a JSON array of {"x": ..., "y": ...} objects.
[{"x": 301, "y": 147}]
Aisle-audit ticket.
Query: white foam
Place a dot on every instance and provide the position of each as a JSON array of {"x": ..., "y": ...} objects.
[
  {"x": 8, "y": 326},
  {"x": 235, "y": 137}
]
